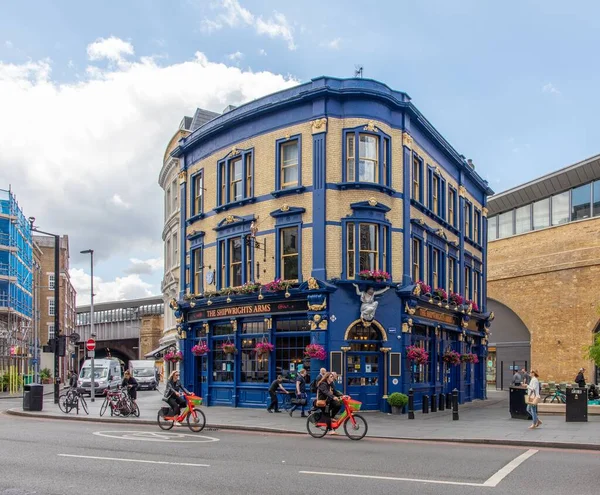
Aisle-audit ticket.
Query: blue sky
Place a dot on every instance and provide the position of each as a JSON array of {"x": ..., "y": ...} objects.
[{"x": 512, "y": 86}]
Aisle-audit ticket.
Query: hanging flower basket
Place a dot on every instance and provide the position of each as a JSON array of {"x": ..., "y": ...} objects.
[
  {"x": 173, "y": 357},
  {"x": 315, "y": 351},
  {"x": 264, "y": 348},
  {"x": 469, "y": 358},
  {"x": 417, "y": 354},
  {"x": 376, "y": 275},
  {"x": 229, "y": 348},
  {"x": 200, "y": 349},
  {"x": 452, "y": 358}
]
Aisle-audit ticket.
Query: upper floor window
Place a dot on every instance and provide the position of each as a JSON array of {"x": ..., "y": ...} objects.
[
  {"x": 289, "y": 249},
  {"x": 174, "y": 195},
  {"x": 367, "y": 158},
  {"x": 168, "y": 202},
  {"x": 417, "y": 175},
  {"x": 416, "y": 260},
  {"x": 198, "y": 193},
  {"x": 289, "y": 164},
  {"x": 451, "y": 274},
  {"x": 50, "y": 331},
  {"x": 541, "y": 213},
  {"x": 434, "y": 268},
  {"x": 560, "y": 208},
  {"x": 468, "y": 232},
  {"x": 235, "y": 178},
  {"x": 435, "y": 194},
  {"x": 175, "y": 260},
  {"x": 51, "y": 281},
  {"x": 581, "y": 198},
  {"x": 476, "y": 282},
  {"x": 235, "y": 262},
  {"x": 476, "y": 224},
  {"x": 468, "y": 282},
  {"x": 452, "y": 206},
  {"x": 197, "y": 270},
  {"x": 51, "y": 306},
  {"x": 596, "y": 198},
  {"x": 366, "y": 247},
  {"x": 523, "y": 219}
]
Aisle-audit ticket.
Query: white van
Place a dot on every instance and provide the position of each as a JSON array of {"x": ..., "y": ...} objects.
[
  {"x": 107, "y": 374},
  {"x": 145, "y": 373}
]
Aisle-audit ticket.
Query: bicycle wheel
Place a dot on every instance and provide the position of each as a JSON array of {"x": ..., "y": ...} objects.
[
  {"x": 104, "y": 407},
  {"x": 136, "y": 410},
  {"x": 315, "y": 430},
  {"x": 196, "y": 420},
  {"x": 356, "y": 431},
  {"x": 83, "y": 404},
  {"x": 64, "y": 403},
  {"x": 163, "y": 423},
  {"x": 555, "y": 398}
]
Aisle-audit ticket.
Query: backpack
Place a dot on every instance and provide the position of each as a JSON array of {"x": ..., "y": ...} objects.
[{"x": 313, "y": 386}]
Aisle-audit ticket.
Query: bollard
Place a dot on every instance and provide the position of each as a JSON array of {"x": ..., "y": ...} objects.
[
  {"x": 455, "y": 405},
  {"x": 411, "y": 404},
  {"x": 433, "y": 403},
  {"x": 448, "y": 401},
  {"x": 442, "y": 402},
  {"x": 425, "y": 404}
]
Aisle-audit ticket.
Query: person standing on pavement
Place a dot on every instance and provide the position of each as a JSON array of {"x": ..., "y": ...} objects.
[
  {"x": 524, "y": 377},
  {"x": 580, "y": 379},
  {"x": 517, "y": 379},
  {"x": 131, "y": 384},
  {"x": 300, "y": 392},
  {"x": 533, "y": 397},
  {"x": 276, "y": 385}
]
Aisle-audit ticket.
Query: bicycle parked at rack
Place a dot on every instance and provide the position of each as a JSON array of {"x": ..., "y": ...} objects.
[
  {"x": 120, "y": 403},
  {"x": 72, "y": 399},
  {"x": 196, "y": 420}
]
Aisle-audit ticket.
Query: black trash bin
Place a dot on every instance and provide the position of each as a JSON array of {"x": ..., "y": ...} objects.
[
  {"x": 33, "y": 397},
  {"x": 577, "y": 404},
  {"x": 517, "y": 405}
]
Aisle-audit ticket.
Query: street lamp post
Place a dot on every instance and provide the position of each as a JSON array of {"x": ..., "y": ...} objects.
[
  {"x": 56, "y": 305},
  {"x": 92, "y": 334}
]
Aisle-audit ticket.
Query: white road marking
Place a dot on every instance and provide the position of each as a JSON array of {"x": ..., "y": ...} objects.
[
  {"x": 492, "y": 482},
  {"x": 509, "y": 468},
  {"x": 133, "y": 460},
  {"x": 155, "y": 436}
]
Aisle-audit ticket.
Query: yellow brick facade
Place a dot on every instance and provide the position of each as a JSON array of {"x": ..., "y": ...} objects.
[{"x": 549, "y": 278}]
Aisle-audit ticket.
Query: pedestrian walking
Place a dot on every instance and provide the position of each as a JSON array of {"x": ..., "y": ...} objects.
[
  {"x": 533, "y": 398},
  {"x": 580, "y": 379},
  {"x": 300, "y": 393},
  {"x": 517, "y": 379},
  {"x": 524, "y": 377},
  {"x": 276, "y": 385}
]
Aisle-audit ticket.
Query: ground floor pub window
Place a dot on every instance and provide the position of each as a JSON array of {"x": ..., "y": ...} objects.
[
  {"x": 223, "y": 364},
  {"x": 292, "y": 337},
  {"x": 254, "y": 367},
  {"x": 421, "y": 338}
]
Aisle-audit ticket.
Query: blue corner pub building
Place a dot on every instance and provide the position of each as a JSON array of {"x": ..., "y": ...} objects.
[{"x": 331, "y": 213}]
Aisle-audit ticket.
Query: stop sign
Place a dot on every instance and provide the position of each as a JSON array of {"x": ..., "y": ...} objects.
[{"x": 90, "y": 345}]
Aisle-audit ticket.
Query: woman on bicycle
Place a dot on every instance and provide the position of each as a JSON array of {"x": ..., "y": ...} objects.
[
  {"x": 174, "y": 394},
  {"x": 131, "y": 384},
  {"x": 327, "y": 392}
]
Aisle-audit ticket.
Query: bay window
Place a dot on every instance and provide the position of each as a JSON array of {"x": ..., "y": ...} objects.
[{"x": 367, "y": 158}]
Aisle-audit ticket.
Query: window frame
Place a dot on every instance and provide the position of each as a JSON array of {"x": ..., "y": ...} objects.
[
  {"x": 418, "y": 183},
  {"x": 197, "y": 202},
  {"x": 280, "y": 271},
  {"x": 197, "y": 275},
  {"x": 451, "y": 274},
  {"x": 468, "y": 213},
  {"x": 280, "y": 144},
  {"x": 224, "y": 274},
  {"x": 417, "y": 241},
  {"x": 51, "y": 281},
  {"x": 452, "y": 206},
  {"x": 51, "y": 306},
  {"x": 224, "y": 183},
  {"x": 383, "y": 173},
  {"x": 383, "y": 255},
  {"x": 476, "y": 225},
  {"x": 433, "y": 253}
]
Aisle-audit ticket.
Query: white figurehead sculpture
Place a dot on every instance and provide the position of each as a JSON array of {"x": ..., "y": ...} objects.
[{"x": 368, "y": 303}]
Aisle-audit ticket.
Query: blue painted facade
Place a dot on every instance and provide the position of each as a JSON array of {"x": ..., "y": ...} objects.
[{"x": 323, "y": 305}]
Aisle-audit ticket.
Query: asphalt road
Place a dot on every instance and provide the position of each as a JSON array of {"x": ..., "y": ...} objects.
[{"x": 50, "y": 457}]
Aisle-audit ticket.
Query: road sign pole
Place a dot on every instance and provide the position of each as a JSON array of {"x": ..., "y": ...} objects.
[{"x": 93, "y": 390}]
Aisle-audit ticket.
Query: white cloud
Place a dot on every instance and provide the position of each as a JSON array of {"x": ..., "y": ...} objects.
[
  {"x": 234, "y": 15},
  {"x": 144, "y": 267},
  {"x": 93, "y": 147},
  {"x": 550, "y": 89},
  {"x": 332, "y": 44},
  {"x": 111, "y": 49},
  {"x": 262, "y": 52},
  {"x": 235, "y": 57},
  {"x": 8, "y": 44},
  {"x": 120, "y": 289}
]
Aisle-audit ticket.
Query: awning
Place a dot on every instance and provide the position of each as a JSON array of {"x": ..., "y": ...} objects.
[{"x": 157, "y": 351}]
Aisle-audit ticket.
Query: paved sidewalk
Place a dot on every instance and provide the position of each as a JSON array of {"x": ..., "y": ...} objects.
[
  {"x": 48, "y": 390},
  {"x": 480, "y": 421}
]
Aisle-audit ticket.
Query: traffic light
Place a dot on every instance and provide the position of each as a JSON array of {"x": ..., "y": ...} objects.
[{"x": 62, "y": 345}]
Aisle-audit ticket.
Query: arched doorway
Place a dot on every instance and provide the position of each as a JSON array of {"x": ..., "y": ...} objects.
[
  {"x": 509, "y": 345},
  {"x": 364, "y": 363}
]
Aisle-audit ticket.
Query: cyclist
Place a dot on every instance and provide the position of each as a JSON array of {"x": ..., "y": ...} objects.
[
  {"x": 131, "y": 384},
  {"x": 327, "y": 392},
  {"x": 174, "y": 394}
]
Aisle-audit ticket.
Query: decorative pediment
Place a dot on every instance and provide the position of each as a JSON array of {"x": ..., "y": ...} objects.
[
  {"x": 370, "y": 205},
  {"x": 286, "y": 210},
  {"x": 195, "y": 234},
  {"x": 234, "y": 221}
]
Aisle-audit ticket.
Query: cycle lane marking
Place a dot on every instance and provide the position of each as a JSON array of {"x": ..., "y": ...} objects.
[
  {"x": 151, "y": 436},
  {"x": 187, "y": 464},
  {"x": 491, "y": 482}
]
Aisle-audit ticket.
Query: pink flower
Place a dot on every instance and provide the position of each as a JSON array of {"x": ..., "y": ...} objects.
[
  {"x": 315, "y": 351},
  {"x": 264, "y": 348},
  {"x": 417, "y": 354},
  {"x": 200, "y": 349}
]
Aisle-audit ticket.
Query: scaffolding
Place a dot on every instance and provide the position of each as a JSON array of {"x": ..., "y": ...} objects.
[{"x": 18, "y": 344}]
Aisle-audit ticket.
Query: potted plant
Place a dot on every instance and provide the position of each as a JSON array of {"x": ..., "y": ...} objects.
[
  {"x": 229, "y": 348},
  {"x": 425, "y": 289},
  {"x": 46, "y": 375},
  {"x": 275, "y": 285},
  {"x": 200, "y": 349},
  {"x": 417, "y": 354},
  {"x": 451, "y": 357},
  {"x": 173, "y": 356},
  {"x": 315, "y": 351},
  {"x": 398, "y": 401},
  {"x": 248, "y": 288},
  {"x": 376, "y": 275},
  {"x": 263, "y": 348}
]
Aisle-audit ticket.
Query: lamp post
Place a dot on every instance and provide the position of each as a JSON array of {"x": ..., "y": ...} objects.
[
  {"x": 56, "y": 304},
  {"x": 92, "y": 334}
]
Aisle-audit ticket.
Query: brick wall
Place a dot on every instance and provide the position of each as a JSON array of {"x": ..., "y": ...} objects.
[{"x": 549, "y": 278}]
